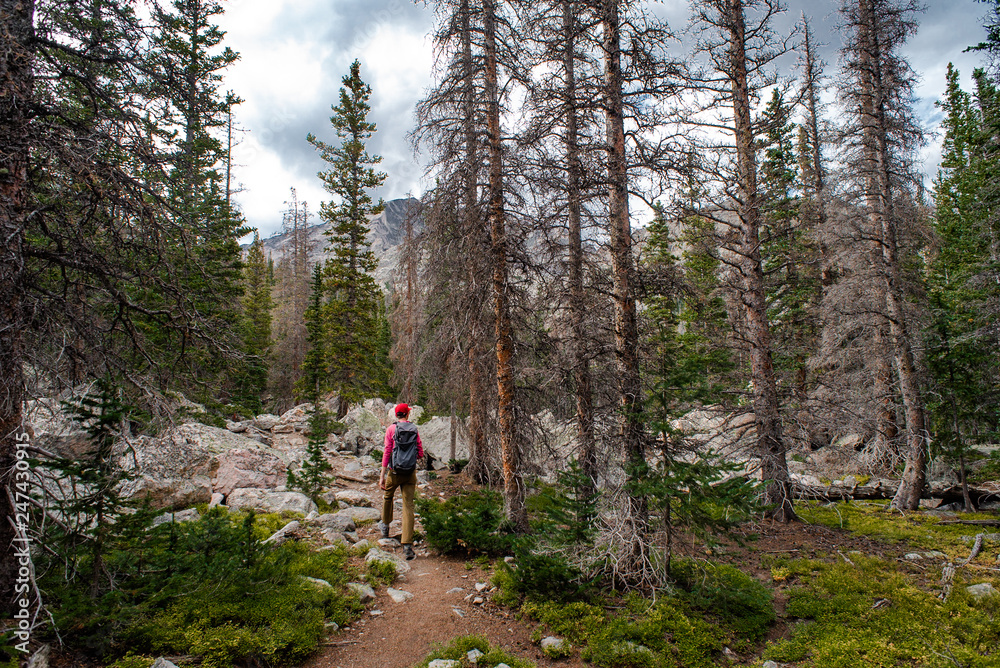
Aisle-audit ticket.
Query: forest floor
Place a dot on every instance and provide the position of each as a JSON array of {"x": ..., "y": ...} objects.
[{"x": 400, "y": 635}]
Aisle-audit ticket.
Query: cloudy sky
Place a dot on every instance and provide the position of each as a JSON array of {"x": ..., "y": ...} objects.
[{"x": 293, "y": 54}]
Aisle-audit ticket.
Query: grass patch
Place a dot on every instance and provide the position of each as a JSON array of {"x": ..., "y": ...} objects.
[
  {"x": 871, "y": 615},
  {"x": 459, "y": 648},
  {"x": 876, "y": 520},
  {"x": 380, "y": 573}
]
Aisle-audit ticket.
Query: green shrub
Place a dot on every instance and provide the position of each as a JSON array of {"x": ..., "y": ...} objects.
[
  {"x": 457, "y": 465},
  {"x": 543, "y": 576},
  {"x": 380, "y": 573},
  {"x": 130, "y": 660},
  {"x": 741, "y": 602},
  {"x": 458, "y": 648},
  {"x": 466, "y": 524}
]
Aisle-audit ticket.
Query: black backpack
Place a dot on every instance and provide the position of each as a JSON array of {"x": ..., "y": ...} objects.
[{"x": 404, "y": 453}]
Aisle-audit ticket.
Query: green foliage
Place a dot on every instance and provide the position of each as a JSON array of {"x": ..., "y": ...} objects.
[
  {"x": 639, "y": 635},
  {"x": 990, "y": 470},
  {"x": 458, "y": 648},
  {"x": 206, "y": 588},
  {"x": 379, "y": 573},
  {"x": 742, "y": 603},
  {"x": 311, "y": 478},
  {"x": 257, "y": 307},
  {"x": 961, "y": 278},
  {"x": 694, "y": 495},
  {"x": 868, "y": 614},
  {"x": 457, "y": 465},
  {"x": 466, "y": 524},
  {"x": 566, "y": 513},
  {"x": 541, "y": 575},
  {"x": 425, "y": 417}
]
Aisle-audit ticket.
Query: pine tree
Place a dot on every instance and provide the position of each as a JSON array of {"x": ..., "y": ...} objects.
[
  {"x": 353, "y": 298},
  {"x": 961, "y": 361},
  {"x": 257, "y": 307},
  {"x": 314, "y": 363}
]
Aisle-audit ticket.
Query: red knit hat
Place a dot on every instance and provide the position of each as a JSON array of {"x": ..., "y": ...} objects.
[{"x": 402, "y": 409}]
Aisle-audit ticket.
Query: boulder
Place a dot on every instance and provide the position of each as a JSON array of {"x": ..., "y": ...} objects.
[
  {"x": 435, "y": 434},
  {"x": 297, "y": 416},
  {"x": 340, "y": 522},
  {"x": 266, "y": 421},
  {"x": 189, "y": 515},
  {"x": 364, "y": 592},
  {"x": 334, "y": 537},
  {"x": 353, "y": 497},
  {"x": 444, "y": 663},
  {"x": 553, "y": 644},
  {"x": 283, "y": 429},
  {"x": 216, "y": 500},
  {"x": 982, "y": 589},
  {"x": 241, "y": 467},
  {"x": 55, "y": 430},
  {"x": 376, "y": 554},
  {"x": 269, "y": 502},
  {"x": 176, "y": 468},
  {"x": 473, "y": 656},
  {"x": 362, "y": 514},
  {"x": 284, "y": 533},
  {"x": 237, "y": 427},
  {"x": 163, "y": 663}
]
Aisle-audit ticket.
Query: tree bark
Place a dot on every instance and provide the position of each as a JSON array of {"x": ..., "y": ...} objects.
[
  {"x": 879, "y": 201},
  {"x": 514, "y": 491},
  {"x": 577, "y": 295},
  {"x": 770, "y": 446},
  {"x": 630, "y": 427},
  {"x": 16, "y": 87}
]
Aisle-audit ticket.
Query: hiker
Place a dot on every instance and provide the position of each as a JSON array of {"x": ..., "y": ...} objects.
[{"x": 399, "y": 457}]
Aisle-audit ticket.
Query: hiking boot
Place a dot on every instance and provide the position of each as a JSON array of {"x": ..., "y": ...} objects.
[
  {"x": 383, "y": 528},
  {"x": 408, "y": 551}
]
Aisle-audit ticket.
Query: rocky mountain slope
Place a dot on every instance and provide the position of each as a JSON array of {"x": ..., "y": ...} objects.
[{"x": 387, "y": 232}]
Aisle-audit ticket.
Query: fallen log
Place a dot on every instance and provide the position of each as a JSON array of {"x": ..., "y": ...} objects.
[{"x": 886, "y": 489}]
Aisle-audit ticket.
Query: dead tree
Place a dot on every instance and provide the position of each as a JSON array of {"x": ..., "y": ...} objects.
[
  {"x": 740, "y": 46},
  {"x": 876, "y": 90}
]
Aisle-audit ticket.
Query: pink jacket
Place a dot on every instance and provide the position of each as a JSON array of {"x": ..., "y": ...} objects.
[{"x": 390, "y": 443}]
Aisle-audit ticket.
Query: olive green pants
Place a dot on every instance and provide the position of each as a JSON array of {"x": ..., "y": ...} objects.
[{"x": 407, "y": 484}]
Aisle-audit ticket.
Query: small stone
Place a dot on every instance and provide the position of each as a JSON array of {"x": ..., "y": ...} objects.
[
  {"x": 266, "y": 421},
  {"x": 332, "y": 626},
  {"x": 363, "y": 545},
  {"x": 982, "y": 589},
  {"x": 282, "y": 429},
  {"x": 850, "y": 481},
  {"x": 377, "y": 613},
  {"x": 913, "y": 556},
  {"x": 481, "y": 586},
  {"x": 217, "y": 500},
  {"x": 322, "y": 584},
  {"x": 477, "y": 600},
  {"x": 730, "y": 654},
  {"x": 935, "y": 555},
  {"x": 236, "y": 427},
  {"x": 444, "y": 663},
  {"x": 353, "y": 497},
  {"x": 553, "y": 643},
  {"x": 770, "y": 664},
  {"x": 360, "y": 514},
  {"x": 501, "y": 665},
  {"x": 458, "y": 612},
  {"x": 473, "y": 655},
  {"x": 364, "y": 592},
  {"x": 398, "y": 595},
  {"x": 352, "y": 536},
  {"x": 388, "y": 542},
  {"x": 350, "y": 467},
  {"x": 376, "y": 554},
  {"x": 508, "y": 560},
  {"x": 455, "y": 590}
]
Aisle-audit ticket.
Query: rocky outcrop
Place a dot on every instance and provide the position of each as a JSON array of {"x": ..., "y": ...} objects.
[
  {"x": 269, "y": 502},
  {"x": 180, "y": 467},
  {"x": 242, "y": 467}
]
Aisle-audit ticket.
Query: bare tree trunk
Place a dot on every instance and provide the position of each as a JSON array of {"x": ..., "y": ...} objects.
[
  {"x": 620, "y": 232},
  {"x": 479, "y": 467},
  {"x": 881, "y": 216},
  {"x": 770, "y": 446},
  {"x": 510, "y": 450},
  {"x": 16, "y": 84},
  {"x": 578, "y": 299}
]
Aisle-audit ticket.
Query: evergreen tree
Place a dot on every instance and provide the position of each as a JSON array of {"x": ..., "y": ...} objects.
[
  {"x": 313, "y": 366},
  {"x": 961, "y": 361},
  {"x": 188, "y": 66},
  {"x": 350, "y": 317},
  {"x": 257, "y": 306}
]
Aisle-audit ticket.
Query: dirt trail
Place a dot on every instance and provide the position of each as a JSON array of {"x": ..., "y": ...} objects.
[{"x": 403, "y": 634}]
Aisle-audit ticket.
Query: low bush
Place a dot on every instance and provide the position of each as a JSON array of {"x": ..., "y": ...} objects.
[
  {"x": 739, "y": 601},
  {"x": 470, "y": 523},
  {"x": 207, "y": 589},
  {"x": 458, "y": 649}
]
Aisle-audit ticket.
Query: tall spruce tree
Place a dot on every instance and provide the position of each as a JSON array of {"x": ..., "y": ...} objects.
[
  {"x": 351, "y": 312},
  {"x": 257, "y": 307}
]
